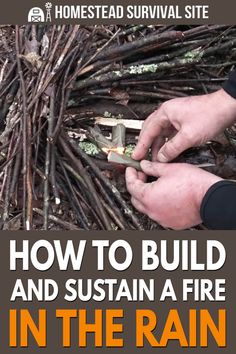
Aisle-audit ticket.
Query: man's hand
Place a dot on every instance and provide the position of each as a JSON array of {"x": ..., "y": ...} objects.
[
  {"x": 173, "y": 200},
  {"x": 185, "y": 122}
]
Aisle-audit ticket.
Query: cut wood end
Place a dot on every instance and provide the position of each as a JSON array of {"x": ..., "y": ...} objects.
[
  {"x": 57, "y": 201},
  {"x": 27, "y": 225},
  {"x": 119, "y": 150},
  {"x": 128, "y": 123}
]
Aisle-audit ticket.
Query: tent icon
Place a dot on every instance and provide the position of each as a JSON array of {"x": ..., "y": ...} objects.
[{"x": 36, "y": 15}]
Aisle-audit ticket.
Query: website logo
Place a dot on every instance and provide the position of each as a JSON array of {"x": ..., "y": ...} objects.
[{"x": 36, "y": 14}]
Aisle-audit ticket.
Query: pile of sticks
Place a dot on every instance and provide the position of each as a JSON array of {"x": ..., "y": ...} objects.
[{"x": 57, "y": 81}]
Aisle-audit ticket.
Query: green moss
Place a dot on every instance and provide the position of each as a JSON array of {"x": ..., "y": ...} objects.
[
  {"x": 89, "y": 148},
  {"x": 193, "y": 54},
  {"x": 129, "y": 149},
  {"x": 117, "y": 73},
  {"x": 92, "y": 150},
  {"x": 71, "y": 103},
  {"x": 107, "y": 114},
  {"x": 137, "y": 69},
  {"x": 142, "y": 69}
]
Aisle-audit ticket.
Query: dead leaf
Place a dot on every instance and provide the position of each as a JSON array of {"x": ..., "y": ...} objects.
[
  {"x": 123, "y": 102},
  {"x": 31, "y": 53},
  {"x": 31, "y": 46},
  {"x": 14, "y": 224},
  {"x": 120, "y": 95}
]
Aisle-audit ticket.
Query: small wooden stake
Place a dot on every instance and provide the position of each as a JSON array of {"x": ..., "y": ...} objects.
[
  {"x": 118, "y": 135},
  {"x": 96, "y": 136},
  {"x": 123, "y": 160}
]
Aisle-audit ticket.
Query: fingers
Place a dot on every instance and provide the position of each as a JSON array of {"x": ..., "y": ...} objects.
[
  {"x": 158, "y": 143},
  {"x": 138, "y": 205},
  {"x": 135, "y": 186},
  {"x": 142, "y": 177},
  {"x": 152, "y": 128},
  {"x": 156, "y": 169},
  {"x": 172, "y": 148},
  {"x": 134, "y": 180},
  {"x": 167, "y": 133},
  {"x": 144, "y": 143}
]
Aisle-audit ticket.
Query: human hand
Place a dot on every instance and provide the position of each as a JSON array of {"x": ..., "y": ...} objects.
[
  {"x": 173, "y": 200},
  {"x": 185, "y": 122}
]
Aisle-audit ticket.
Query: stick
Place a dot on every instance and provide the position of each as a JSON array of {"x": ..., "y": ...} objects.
[
  {"x": 3, "y": 70},
  {"x": 48, "y": 161},
  {"x": 128, "y": 123},
  {"x": 127, "y": 161},
  {"x": 130, "y": 71},
  {"x": 26, "y": 136},
  {"x": 94, "y": 197},
  {"x": 123, "y": 160},
  {"x": 143, "y": 44}
]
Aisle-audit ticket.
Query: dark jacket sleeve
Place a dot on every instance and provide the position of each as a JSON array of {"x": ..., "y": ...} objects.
[
  {"x": 218, "y": 208},
  {"x": 230, "y": 85}
]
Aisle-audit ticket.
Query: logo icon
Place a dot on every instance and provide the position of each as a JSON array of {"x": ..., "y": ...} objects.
[
  {"x": 36, "y": 14},
  {"x": 48, "y": 7}
]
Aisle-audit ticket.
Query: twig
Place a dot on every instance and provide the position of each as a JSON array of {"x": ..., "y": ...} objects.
[
  {"x": 81, "y": 217},
  {"x": 93, "y": 195},
  {"x": 67, "y": 225},
  {"x": 27, "y": 185},
  {"x": 140, "y": 70},
  {"x": 3, "y": 70},
  {"x": 47, "y": 159},
  {"x": 127, "y": 210},
  {"x": 84, "y": 69}
]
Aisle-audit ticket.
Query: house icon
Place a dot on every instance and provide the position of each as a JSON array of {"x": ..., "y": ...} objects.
[{"x": 36, "y": 15}]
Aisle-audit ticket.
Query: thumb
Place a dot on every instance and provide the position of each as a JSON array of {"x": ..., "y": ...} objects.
[
  {"x": 156, "y": 169},
  {"x": 173, "y": 148}
]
